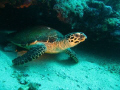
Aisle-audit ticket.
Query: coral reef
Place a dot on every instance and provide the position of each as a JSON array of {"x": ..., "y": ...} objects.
[
  {"x": 67, "y": 10},
  {"x": 114, "y": 3},
  {"x": 18, "y": 3},
  {"x": 89, "y": 15},
  {"x": 77, "y": 12},
  {"x": 96, "y": 16}
]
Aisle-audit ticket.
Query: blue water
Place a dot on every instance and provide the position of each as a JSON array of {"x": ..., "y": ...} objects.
[{"x": 99, "y": 55}]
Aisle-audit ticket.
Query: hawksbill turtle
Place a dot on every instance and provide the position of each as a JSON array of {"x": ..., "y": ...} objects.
[{"x": 41, "y": 39}]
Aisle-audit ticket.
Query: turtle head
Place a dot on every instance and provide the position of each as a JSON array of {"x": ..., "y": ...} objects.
[{"x": 75, "y": 38}]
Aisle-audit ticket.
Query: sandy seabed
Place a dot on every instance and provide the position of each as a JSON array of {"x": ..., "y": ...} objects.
[{"x": 59, "y": 72}]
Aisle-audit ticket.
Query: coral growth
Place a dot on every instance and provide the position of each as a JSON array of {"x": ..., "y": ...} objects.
[
  {"x": 114, "y": 3},
  {"x": 77, "y": 12},
  {"x": 17, "y": 3},
  {"x": 96, "y": 16},
  {"x": 66, "y": 9}
]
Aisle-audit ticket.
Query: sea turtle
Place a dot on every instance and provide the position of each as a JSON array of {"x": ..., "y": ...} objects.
[{"x": 41, "y": 39}]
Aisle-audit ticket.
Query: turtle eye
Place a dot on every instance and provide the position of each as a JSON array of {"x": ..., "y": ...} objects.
[{"x": 77, "y": 34}]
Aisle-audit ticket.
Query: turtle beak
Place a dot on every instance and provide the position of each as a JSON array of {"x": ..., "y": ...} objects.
[{"x": 81, "y": 36}]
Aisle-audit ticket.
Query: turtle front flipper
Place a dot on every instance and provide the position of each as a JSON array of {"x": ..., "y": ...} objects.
[
  {"x": 34, "y": 52},
  {"x": 72, "y": 54}
]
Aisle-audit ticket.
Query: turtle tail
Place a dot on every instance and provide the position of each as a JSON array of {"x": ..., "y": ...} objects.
[{"x": 32, "y": 54}]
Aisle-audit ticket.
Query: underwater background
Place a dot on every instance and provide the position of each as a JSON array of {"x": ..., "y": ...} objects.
[{"x": 99, "y": 55}]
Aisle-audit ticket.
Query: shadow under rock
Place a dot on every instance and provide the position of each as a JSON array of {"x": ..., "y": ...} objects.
[{"x": 101, "y": 49}]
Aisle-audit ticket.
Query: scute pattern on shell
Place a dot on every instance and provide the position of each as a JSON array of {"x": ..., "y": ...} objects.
[{"x": 39, "y": 33}]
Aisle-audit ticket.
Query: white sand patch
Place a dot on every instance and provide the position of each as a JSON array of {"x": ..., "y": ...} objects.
[
  {"x": 49, "y": 72},
  {"x": 7, "y": 81}
]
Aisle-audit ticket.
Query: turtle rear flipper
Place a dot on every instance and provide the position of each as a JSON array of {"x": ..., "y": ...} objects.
[
  {"x": 72, "y": 54},
  {"x": 32, "y": 54}
]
